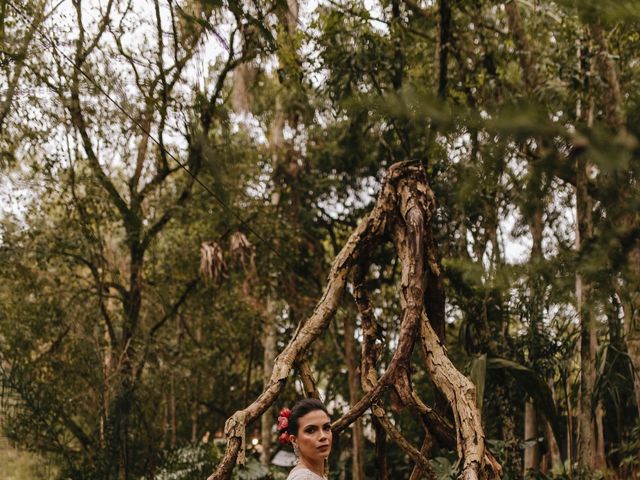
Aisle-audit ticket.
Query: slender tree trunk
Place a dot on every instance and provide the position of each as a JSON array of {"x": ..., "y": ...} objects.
[
  {"x": 536, "y": 312},
  {"x": 586, "y": 444},
  {"x": 570, "y": 426},
  {"x": 269, "y": 356},
  {"x": 172, "y": 410},
  {"x": 600, "y": 459},
  {"x": 107, "y": 369},
  {"x": 512, "y": 455},
  {"x": 277, "y": 149},
  {"x": 536, "y": 225},
  {"x": 553, "y": 457},
  {"x": 531, "y": 454},
  {"x": 165, "y": 420},
  {"x": 125, "y": 397},
  {"x": 194, "y": 422},
  {"x": 357, "y": 467},
  {"x": 382, "y": 469}
]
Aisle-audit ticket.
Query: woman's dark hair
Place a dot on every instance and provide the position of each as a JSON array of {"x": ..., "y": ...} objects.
[{"x": 300, "y": 409}]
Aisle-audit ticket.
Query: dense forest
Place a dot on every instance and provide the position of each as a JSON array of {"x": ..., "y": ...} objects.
[{"x": 180, "y": 183}]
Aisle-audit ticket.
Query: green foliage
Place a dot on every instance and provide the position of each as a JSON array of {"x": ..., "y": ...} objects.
[
  {"x": 536, "y": 387},
  {"x": 628, "y": 452},
  {"x": 356, "y": 88},
  {"x": 593, "y": 11},
  {"x": 196, "y": 461},
  {"x": 444, "y": 468}
]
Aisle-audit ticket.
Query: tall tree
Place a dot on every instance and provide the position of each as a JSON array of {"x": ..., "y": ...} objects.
[{"x": 122, "y": 180}]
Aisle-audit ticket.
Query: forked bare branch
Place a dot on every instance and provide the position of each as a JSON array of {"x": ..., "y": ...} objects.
[{"x": 403, "y": 212}]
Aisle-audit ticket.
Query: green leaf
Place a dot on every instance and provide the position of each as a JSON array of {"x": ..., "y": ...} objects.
[
  {"x": 443, "y": 468},
  {"x": 625, "y": 11},
  {"x": 537, "y": 389}
]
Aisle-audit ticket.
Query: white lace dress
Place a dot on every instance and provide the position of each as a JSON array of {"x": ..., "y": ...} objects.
[{"x": 304, "y": 474}]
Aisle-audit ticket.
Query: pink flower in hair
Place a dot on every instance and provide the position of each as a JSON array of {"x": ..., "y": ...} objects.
[
  {"x": 283, "y": 423},
  {"x": 284, "y": 437},
  {"x": 285, "y": 412}
]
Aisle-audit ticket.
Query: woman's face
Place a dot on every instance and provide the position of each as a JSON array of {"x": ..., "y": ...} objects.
[{"x": 314, "y": 436}]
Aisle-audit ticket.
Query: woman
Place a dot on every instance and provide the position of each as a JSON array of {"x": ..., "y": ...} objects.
[{"x": 307, "y": 427}]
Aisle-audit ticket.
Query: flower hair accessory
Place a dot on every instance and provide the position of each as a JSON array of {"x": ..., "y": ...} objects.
[{"x": 283, "y": 424}]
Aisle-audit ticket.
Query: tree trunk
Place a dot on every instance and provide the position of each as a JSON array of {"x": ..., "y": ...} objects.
[
  {"x": 269, "y": 356},
  {"x": 172, "y": 410},
  {"x": 357, "y": 467},
  {"x": 586, "y": 444},
  {"x": 600, "y": 459},
  {"x": 531, "y": 454},
  {"x": 194, "y": 422},
  {"x": 552, "y": 457},
  {"x": 571, "y": 431},
  {"x": 512, "y": 456},
  {"x": 585, "y": 448},
  {"x": 536, "y": 313},
  {"x": 382, "y": 469},
  {"x": 165, "y": 420}
]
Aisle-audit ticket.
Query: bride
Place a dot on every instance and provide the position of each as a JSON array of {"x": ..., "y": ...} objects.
[{"x": 307, "y": 426}]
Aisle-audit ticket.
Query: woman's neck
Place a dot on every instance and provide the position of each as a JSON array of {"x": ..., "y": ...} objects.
[{"x": 315, "y": 467}]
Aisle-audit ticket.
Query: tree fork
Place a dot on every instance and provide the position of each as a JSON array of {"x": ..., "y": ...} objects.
[
  {"x": 403, "y": 209},
  {"x": 369, "y": 376},
  {"x": 442, "y": 430}
]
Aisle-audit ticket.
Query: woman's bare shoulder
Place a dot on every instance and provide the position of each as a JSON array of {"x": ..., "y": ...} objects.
[{"x": 303, "y": 474}]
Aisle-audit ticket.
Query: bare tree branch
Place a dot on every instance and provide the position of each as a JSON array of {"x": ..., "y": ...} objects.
[{"x": 191, "y": 286}]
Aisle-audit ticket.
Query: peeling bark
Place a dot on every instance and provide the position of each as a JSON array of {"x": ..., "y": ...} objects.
[
  {"x": 461, "y": 394},
  {"x": 308, "y": 382}
]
